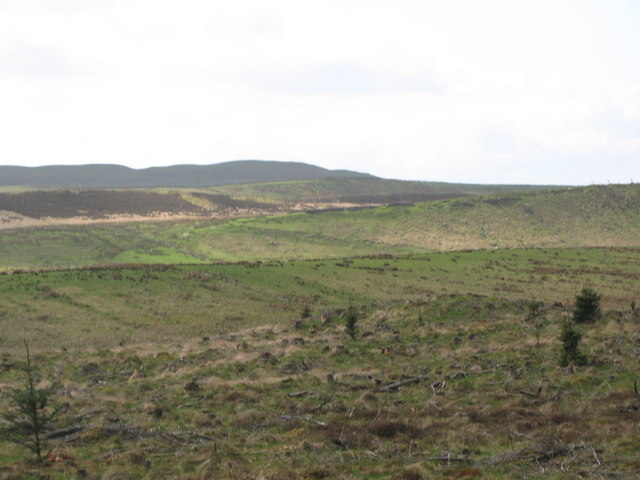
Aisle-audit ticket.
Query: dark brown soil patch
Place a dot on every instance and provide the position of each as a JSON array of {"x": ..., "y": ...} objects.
[{"x": 95, "y": 204}]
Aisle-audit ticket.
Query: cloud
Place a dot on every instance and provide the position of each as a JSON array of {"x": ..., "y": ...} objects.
[
  {"x": 499, "y": 142},
  {"x": 341, "y": 78},
  {"x": 34, "y": 61},
  {"x": 622, "y": 122}
]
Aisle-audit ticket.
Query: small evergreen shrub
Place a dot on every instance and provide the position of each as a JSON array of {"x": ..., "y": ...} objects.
[
  {"x": 32, "y": 414},
  {"x": 352, "y": 321},
  {"x": 587, "y": 307}
]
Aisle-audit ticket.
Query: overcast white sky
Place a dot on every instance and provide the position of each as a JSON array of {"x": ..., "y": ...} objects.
[{"x": 486, "y": 91}]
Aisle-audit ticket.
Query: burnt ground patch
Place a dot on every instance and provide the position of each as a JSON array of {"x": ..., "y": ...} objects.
[{"x": 94, "y": 203}]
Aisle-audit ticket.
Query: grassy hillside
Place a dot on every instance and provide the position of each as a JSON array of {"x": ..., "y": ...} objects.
[
  {"x": 363, "y": 190},
  {"x": 599, "y": 216},
  {"x": 588, "y": 216},
  {"x": 103, "y": 306},
  {"x": 209, "y": 371},
  {"x": 23, "y": 207},
  {"x": 266, "y": 197}
]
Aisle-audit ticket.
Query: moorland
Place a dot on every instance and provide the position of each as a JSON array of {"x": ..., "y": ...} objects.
[{"x": 195, "y": 332}]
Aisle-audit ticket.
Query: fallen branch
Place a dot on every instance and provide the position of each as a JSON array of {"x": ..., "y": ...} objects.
[
  {"x": 86, "y": 415},
  {"x": 446, "y": 459},
  {"x": 298, "y": 394},
  {"x": 353, "y": 387},
  {"x": 130, "y": 431},
  {"x": 317, "y": 422},
  {"x": 540, "y": 401},
  {"x": 65, "y": 432},
  {"x": 438, "y": 385},
  {"x": 529, "y": 394},
  {"x": 322, "y": 404},
  {"x": 396, "y": 385},
  {"x": 538, "y": 452},
  {"x": 535, "y": 394},
  {"x": 299, "y": 417}
]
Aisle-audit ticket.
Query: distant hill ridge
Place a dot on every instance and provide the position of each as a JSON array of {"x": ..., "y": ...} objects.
[{"x": 118, "y": 176}]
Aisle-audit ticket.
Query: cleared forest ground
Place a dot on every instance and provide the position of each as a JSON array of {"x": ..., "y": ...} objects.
[{"x": 444, "y": 386}]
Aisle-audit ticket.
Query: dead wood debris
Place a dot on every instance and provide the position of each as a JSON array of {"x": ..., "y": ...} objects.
[
  {"x": 134, "y": 432},
  {"x": 66, "y": 432},
  {"x": 322, "y": 403},
  {"x": 302, "y": 417},
  {"x": 301, "y": 393},
  {"x": 396, "y": 385},
  {"x": 444, "y": 458},
  {"x": 538, "y": 452}
]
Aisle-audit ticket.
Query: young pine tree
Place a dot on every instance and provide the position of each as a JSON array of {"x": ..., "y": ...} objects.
[
  {"x": 587, "y": 307},
  {"x": 32, "y": 414},
  {"x": 352, "y": 321}
]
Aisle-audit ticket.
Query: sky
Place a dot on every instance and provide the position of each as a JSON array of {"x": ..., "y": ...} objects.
[{"x": 476, "y": 91}]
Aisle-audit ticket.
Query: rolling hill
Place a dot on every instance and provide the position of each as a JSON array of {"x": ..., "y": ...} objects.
[
  {"x": 595, "y": 216},
  {"x": 117, "y": 176},
  {"x": 46, "y": 196}
]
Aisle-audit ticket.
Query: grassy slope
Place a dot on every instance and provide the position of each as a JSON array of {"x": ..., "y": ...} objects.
[
  {"x": 590, "y": 216},
  {"x": 105, "y": 306},
  {"x": 354, "y": 188}
]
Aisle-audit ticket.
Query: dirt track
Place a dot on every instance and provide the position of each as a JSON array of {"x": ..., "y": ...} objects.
[{"x": 10, "y": 221}]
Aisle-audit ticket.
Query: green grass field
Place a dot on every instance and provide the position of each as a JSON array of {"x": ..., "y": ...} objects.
[{"x": 104, "y": 306}]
